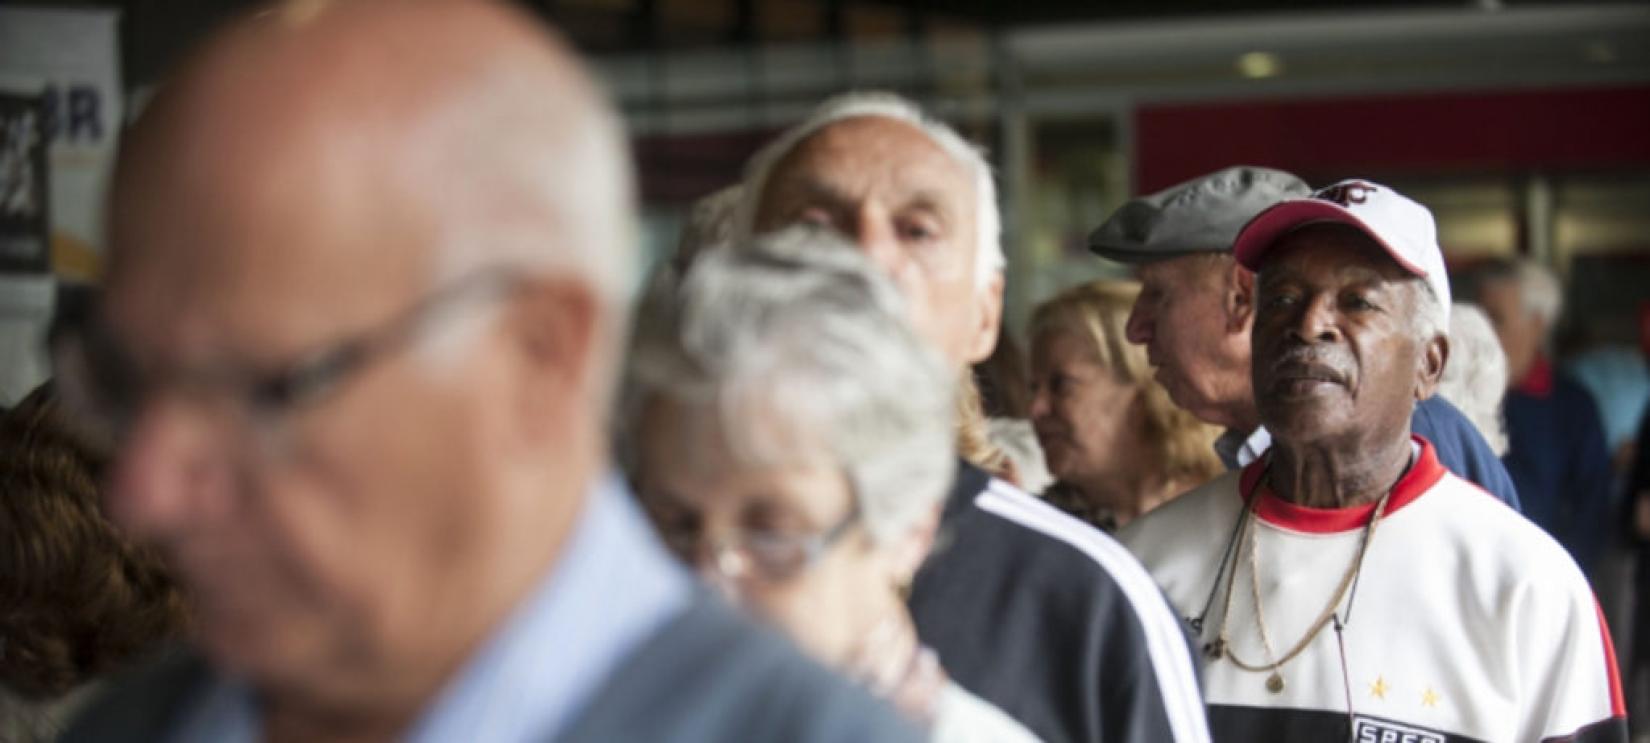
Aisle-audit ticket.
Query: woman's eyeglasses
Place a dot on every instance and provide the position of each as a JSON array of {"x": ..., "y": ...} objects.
[{"x": 768, "y": 555}]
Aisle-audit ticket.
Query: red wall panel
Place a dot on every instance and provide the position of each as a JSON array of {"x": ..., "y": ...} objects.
[{"x": 1324, "y": 139}]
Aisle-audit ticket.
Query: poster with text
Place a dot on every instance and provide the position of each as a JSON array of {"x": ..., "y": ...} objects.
[{"x": 72, "y": 58}]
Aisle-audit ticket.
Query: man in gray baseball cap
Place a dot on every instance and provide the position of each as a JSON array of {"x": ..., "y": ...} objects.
[{"x": 1196, "y": 308}]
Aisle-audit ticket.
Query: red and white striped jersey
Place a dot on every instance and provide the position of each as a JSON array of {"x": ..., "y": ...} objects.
[{"x": 1467, "y": 622}]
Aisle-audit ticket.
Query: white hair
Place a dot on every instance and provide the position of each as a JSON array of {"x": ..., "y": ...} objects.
[
  {"x": 1431, "y": 320},
  {"x": 552, "y": 200},
  {"x": 796, "y": 338},
  {"x": 709, "y": 225},
  {"x": 556, "y": 202},
  {"x": 1541, "y": 291},
  {"x": 989, "y": 261},
  {"x": 1475, "y": 377}
]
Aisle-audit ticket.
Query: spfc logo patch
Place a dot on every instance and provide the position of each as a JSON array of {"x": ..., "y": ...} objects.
[{"x": 1370, "y": 730}]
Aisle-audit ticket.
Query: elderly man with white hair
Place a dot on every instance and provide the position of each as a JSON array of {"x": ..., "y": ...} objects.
[
  {"x": 1347, "y": 585},
  {"x": 360, "y": 333},
  {"x": 1556, "y": 449},
  {"x": 791, "y": 437},
  {"x": 1036, "y": 612}
]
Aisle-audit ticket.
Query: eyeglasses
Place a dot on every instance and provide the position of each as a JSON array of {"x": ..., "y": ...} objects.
[
  {"x": 105, "y": 386},
  {"x": 771, "y": 556}
]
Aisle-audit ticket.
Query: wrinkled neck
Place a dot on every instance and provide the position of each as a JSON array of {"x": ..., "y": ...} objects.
[{"x": 1336, "y": 476}]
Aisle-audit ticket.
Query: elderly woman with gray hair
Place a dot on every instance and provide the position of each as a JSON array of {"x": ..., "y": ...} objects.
[
  {"x": 1475, "y": 378},
  {"x": 791, "y": 438}
]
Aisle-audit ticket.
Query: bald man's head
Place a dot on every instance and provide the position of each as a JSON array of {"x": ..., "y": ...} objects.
[
  {"x": 465, "y": 109},
  {"x": 322, "y": 195}
]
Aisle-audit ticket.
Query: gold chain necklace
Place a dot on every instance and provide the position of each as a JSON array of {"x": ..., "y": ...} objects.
[{"x": 1223, "y": 645}]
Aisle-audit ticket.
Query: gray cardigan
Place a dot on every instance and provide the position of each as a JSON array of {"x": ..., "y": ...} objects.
[{"x": 707, "y": 676}]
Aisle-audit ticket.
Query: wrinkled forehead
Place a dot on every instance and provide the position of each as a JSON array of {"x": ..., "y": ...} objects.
[{"x": 865, "y": 157}]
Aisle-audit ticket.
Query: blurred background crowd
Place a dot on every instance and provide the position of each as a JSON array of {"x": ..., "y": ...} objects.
[{"x": 1521, "y": 126}]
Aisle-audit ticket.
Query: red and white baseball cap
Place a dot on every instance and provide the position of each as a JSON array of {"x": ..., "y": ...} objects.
[{"x": 1402, "y": 227}]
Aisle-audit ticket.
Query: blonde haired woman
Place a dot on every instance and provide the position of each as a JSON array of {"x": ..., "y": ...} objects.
[{"x": 1116, "y": 444}]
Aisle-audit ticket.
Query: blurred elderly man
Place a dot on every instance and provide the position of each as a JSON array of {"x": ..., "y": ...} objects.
[
  {"x": 1036, "y": 612},
  {"x": 1364, "y": 592},
  {"x": 361, "y": 327},
  {"x": 1556, "y": 449},
  {"x": 1197, "y": 307}
]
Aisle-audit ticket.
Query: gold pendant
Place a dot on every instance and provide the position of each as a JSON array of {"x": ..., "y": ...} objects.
[
  {"x": 1215, "y": 649},
  {"x": 1274, "y": 683}
]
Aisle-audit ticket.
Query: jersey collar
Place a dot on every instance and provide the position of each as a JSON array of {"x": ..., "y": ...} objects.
[{"x": 1425, "y": 473}]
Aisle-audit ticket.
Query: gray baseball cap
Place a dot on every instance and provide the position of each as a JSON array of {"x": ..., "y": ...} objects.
[{"x": 1202, "y": 215}]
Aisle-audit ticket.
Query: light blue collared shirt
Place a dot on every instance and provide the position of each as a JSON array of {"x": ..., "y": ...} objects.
[
  {"x": 612, "y": 587},
  {"x": 1237, "y": 449}
]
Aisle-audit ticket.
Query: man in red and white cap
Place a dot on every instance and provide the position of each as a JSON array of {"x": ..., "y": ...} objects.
[
  {"x": 1197, "y": 306},
  {"x": 1358, "y": 589}
]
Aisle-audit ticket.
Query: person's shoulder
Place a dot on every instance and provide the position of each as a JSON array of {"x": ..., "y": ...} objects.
[
  {"x": 1463, "y": 504},
  {"x": 1194, "y": 515},
  {"x": 1025, "y": 528},
  {"x": 1438, "y": 420},
  {"x": 1181, "y": 540},
  {"x": 1493, "y": 536},
  {"x": 1520, "y": 578},
  {"x": 1577, "y": 401},
  {"x": 1461, "y": 447},
  {"x": 1036, "y": 542},
  {"x": 1013, "y": 556},
  {"x": 1222, "y": 489},
  {"x": 710, "y": 674},
  {"x": 1567, "y": 386},
  {"x": 143, "y": 703},
  {"x": 1079, "y": 559}
]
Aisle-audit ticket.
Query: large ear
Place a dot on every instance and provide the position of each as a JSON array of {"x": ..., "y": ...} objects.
[
  {"x": 1430, "y": 368},
  {"x": 1239, "y": 297},
  {"x": 988, "y": 322},
  {"x": 552, "y": 328}
]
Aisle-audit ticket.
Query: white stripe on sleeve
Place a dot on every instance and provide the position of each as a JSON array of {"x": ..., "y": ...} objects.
[{"x": 1165, "y": 640}]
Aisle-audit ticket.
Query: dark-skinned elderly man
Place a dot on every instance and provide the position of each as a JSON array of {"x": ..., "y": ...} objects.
[
  {"x": 1196, "y": 310},
  {"x": 1346, "y": 585}
]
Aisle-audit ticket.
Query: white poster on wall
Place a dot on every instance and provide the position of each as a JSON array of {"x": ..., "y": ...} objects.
[
  {"x": 70, "y": 59},
  {"x": 73, "y": 56}
]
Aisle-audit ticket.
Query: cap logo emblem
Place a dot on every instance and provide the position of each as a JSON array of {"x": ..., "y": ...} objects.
[{"x": 1347, "y": 194}]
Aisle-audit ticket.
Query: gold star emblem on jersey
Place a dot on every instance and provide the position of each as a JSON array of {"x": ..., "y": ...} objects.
[
  {"x": 1378, "y": 689},
  {"x": 1429, "y": 698}
]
